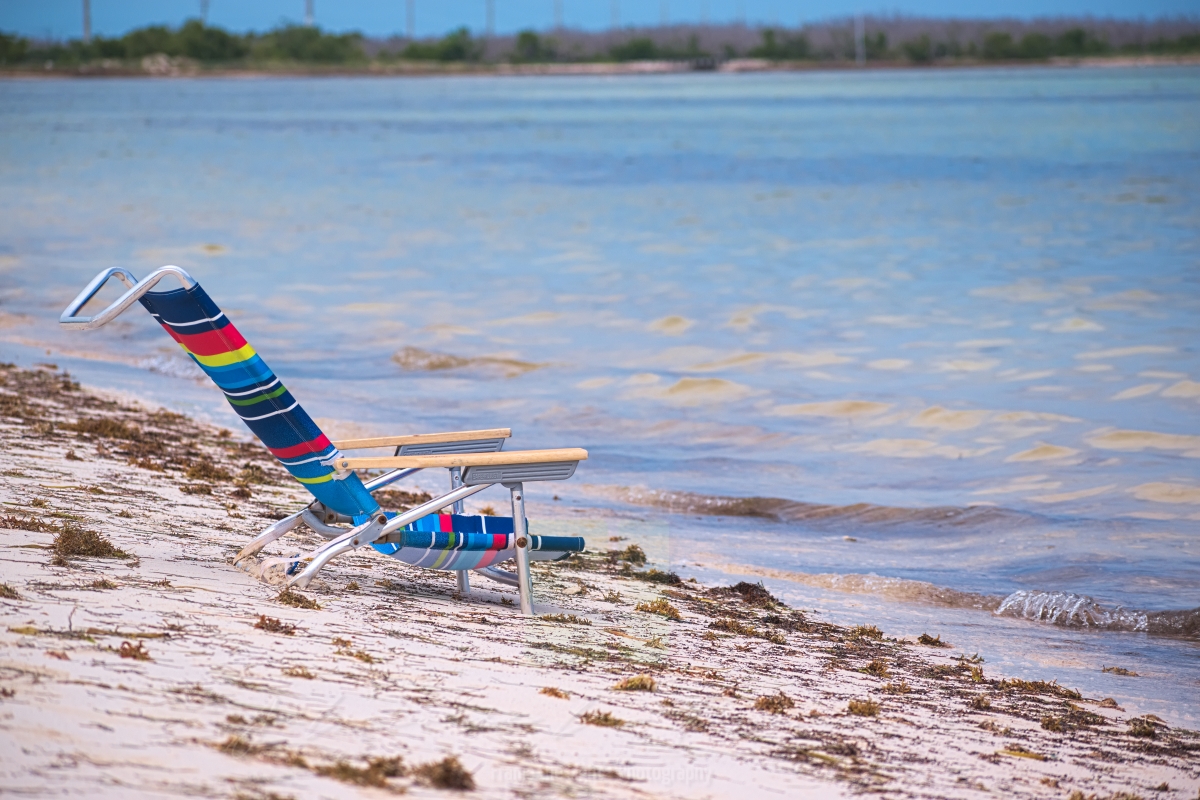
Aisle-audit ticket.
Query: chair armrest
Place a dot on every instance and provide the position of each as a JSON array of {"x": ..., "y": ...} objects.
[
  {"x": 422, "y": 438},
  {"x": 566, "y": 454}
]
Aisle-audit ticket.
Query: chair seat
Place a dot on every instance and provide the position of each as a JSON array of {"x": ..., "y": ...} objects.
[{"x": 452, "y": 551}]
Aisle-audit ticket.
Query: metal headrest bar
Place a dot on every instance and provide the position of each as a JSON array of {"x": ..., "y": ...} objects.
[{"x": 137, "y": 288}]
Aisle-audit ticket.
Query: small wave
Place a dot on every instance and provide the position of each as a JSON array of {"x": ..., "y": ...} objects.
[
  {"x": 1056, "y": 608},
  {"x": 900, "y": 589},
  {"x": 781, "y": 510},
  {"x": 172, "y": 366},
  {"x": 1080, "y": 611}
]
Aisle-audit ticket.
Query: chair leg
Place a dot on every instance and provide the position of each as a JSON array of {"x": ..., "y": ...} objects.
[
  {"x": 524, "y": 580},
  {"x": 462, "y": 576},
  {"x": 273, "y": 531}
]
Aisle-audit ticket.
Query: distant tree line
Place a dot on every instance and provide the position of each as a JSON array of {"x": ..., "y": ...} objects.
[
  {"x": 194, "y": 40},
  {"x": 893, "y": 39}
]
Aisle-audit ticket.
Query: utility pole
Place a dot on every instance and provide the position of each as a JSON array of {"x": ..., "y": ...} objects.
[
  {"x": 558, "y": 15},
  {"x": 664, "y": 13},
  {"x": 204, "y": 11},
  {"x": 741, "y": 13},
  {"x": 308, "y": 13},
  {"x": 616, "y": 14},
  {"x": 860, "y": 40},
  {"x": 87, "y": 21},
  {"x": 491, "y": 18},
  {"x": 410, "y": 18}
]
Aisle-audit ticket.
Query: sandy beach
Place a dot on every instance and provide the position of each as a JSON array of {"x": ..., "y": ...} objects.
[{"x": 163, "y": 670}]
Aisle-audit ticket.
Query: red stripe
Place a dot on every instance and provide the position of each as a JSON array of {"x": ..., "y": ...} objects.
[
  {"x": 317, "y": 445},
  {"x": 172, "y": 333},
  {"x": 446, "y": 523},
  {"x": 211, "y": 343}
]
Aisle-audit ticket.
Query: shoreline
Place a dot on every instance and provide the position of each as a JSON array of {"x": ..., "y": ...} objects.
[
  {"x": 241, "y": 695},
  {"x": 182, "y": 68}
]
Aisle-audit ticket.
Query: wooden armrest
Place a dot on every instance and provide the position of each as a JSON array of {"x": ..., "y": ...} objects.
[
  {"x": 422, "y": 438},
  {"x": 465, "y": 459}
]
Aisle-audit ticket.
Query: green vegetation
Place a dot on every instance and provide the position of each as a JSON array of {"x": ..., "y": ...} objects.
[
  {"x": 779, "y": 47},
  {"x": 643, "y": 48},
  {"x": 196, "y": 41},
  {"x": 996, "y": 46},
  {"x": 640, "y": 49},
  {"x": 456, "y": 46},
  {"x": 531, "y": 48},
  {"x": 195, "y": 45},
  {"x": 12, "y": 48}
]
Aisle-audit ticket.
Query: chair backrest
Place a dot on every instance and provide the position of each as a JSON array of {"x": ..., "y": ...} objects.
[{"x": 258, "y": 397}]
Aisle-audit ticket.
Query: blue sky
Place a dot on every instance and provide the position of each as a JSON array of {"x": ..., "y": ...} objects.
[{"x": 62, "y": 18}]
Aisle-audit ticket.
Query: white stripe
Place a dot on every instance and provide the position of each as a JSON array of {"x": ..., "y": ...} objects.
[
  {"x": 272, "y": 414},
  {"x": 325, "y": 460},
  {"x": 186, "y": 324},
  {"x": 298, "y": 463},
  {"x": 252, "y": 391}
]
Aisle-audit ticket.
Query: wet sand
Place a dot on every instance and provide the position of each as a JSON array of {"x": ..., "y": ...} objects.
[{"x": 171, "y": 672}]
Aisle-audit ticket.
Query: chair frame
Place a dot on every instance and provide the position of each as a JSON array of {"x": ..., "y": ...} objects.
[{"x": 473, "y": 458}]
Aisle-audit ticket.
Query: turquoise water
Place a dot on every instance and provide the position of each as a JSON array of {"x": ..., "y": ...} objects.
[{"x": 968, "y": 289}]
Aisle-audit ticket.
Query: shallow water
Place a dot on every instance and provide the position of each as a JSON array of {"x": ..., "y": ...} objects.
[{"x": 913, "y": 290}]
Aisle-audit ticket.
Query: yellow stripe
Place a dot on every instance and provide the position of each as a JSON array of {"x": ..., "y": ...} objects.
[
  {"x": 224, "y": 359},
  {"x": 445, "y": 554},
  {"x": 321, "y": 479}
]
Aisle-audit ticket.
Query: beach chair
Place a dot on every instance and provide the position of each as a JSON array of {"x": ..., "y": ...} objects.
[{"x": 344, "y": 510}]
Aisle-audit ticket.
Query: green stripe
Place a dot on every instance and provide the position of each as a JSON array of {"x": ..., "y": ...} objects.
[
  {"x": 321, "y": 479},
  {"x": 258, "y": 398}
]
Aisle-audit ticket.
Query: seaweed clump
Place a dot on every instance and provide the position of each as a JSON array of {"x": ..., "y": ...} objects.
[
  {"x": 205, "y": 470},
  {"x": 602, "y": 718},
  {"x": 75, "y": 541},
  {"x": 637, "y": 683},
  {"x": 297, "y": 600},
  {"x": 863, "y": 708},
  {"x": 567, "y": 619},
  {"x": 105, "y": 427},
  {"x": 445, "y": 774},
  {"x": 1039, "y": 687},
  {"x": 13, "y": 522},
  {"x": 661, "y": 607},
  {"x": 774, "y": 703},
  {"x": 633, "y": 554},
  {"x": 273, "y": 625},
  {"x": 1144, "y": 727},
  {"x": 752, "y": 594},
  {"x": 375, "y": 774},
  {"x": 657, "y": 576},
  {"x": 867, "y": 632},
  {"x": 137, "y": 652},
  {"x": 879, "y": 668}
]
